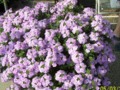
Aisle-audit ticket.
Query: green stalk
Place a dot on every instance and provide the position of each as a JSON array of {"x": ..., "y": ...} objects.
[{"x": 5, "y": 4}]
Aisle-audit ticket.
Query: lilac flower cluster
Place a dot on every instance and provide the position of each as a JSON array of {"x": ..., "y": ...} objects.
[{"x": 55, "y": 48}]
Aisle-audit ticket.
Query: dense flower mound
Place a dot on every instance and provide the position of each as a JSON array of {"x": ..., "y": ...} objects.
[{"x": 55, "y": 48}]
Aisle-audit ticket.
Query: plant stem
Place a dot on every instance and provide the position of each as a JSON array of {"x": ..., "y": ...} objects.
[{"x": 5, "y": 5}]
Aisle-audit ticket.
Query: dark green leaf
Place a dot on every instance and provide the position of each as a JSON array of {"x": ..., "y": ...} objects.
[
  {"x": 37, "y": 48},
  {"x": 1, "y": 30},
  {"x": 11, "y": 75},
  {"x": 40, "y": 58},
  {"x": 20, "y": 53},
  {"x": 88, "y": 71}
]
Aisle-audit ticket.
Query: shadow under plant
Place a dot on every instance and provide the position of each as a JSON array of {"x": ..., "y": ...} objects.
[{"x": 114, "y": 73}]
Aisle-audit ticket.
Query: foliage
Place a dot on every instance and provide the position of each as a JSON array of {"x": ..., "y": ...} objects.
[{"x": 56, "y": 47}]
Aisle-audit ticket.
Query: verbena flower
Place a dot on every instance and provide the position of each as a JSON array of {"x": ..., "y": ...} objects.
[{"x": 55, "y": 47}]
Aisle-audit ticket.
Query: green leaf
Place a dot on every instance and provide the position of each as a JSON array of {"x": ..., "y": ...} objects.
[
  {"x": 20, "y": 53},
  {"x": 93, "y": 83},
  {"x": 11, "y": 75},
  {"x": 91, "y": 58},
  {"x": 92, "y": 51},
  {"x": 51, "y": 62},
  {"x": 48, "y": 15},
  {"x": 27, "y": 71},
  {"x": 77, "y": 33},
  {"x": 40, "y": 74},
  {"x": 79, "y": 22},
  {"x": 61, "y": 75},
  {"x": 40, "y": 58},
  {"x": 42, "y": 33},
  {"x": 57, "y": 37},
  {"x": 4, "y": 43},
  {"x": 72, "y": 35},
  {"x": 88, "y": 71},
  {"x": 24, "y": 89},
  {"x": 43, "y": 15},
  {"x": 1, "y": 30},
  {"x": 84, "y": 48},
  {"x": 65, "y": 47},
  {"x": 78, "y": 8},
  {"x": 60, "y": 18},
  {"x": 86, "y": 54},
  {"x": 54, "y": 87},
  {"x": 71, "y": 64},
  {"x": 70, "y": 89},
  {"x": 37, "y": 48},
  {"x": 84, "y": 86}
]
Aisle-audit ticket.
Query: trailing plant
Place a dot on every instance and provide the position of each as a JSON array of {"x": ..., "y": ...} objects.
[{"x": 55, "y": 47}]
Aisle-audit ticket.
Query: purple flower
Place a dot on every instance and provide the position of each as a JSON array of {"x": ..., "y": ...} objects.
[
  {"x": 3, "y": 50},
  {"x": 20, "y": 46},
  {"x": 89, "y": 47},
  {"x": 89, "y": 11},
  {"x": 60, "y": 76},
  {"x": 43, "y": 68},
  {"x": 31, "y": 53},
  {"x": 77, "y": 57},
  {"x": 15, "y": 35},
  {"x": 50, "y": 45},
  {"x": 80, "y": 68},
  {"x": 3, "y": 37},
  {"x": 82, "y": 38},
  {"x": 14, "y": 86},
  {"x": 106, "y": 82},
  {"x": 42, "y": 6},
  {"x": 77, "y": 80},
  {"x": 24, "y": 82},
  {"x": 94, "y": 36},
  {"x": 102, "y": 71},
  {"x": 76, "y": 29},
  {"x": 46, "y": 80}
]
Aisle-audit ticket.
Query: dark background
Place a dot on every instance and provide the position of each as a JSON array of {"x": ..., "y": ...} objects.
[{"x": 17, "y": 4}]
